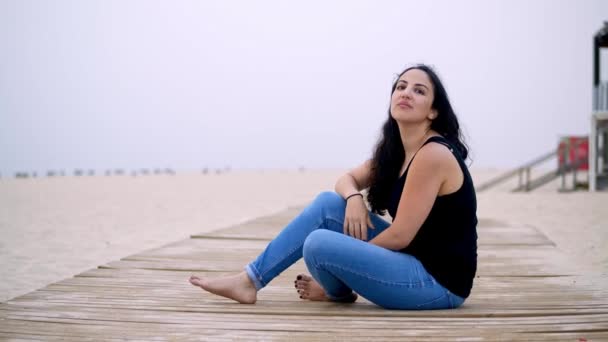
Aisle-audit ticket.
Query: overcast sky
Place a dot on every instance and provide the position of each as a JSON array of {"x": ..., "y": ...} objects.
[{"x": 280, "y": 84}]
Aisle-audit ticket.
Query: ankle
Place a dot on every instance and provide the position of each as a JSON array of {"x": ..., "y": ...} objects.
[{"x": 246, "y": 280}]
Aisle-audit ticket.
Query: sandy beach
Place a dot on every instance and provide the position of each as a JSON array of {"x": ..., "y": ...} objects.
[{"x": 54, "y": 228}]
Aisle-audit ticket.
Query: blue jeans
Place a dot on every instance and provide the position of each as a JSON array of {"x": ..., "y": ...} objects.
[{"x": 342, "y": 264}]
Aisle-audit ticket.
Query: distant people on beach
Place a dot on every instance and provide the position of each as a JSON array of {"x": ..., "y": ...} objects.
[{"x": 426, "y": 258}]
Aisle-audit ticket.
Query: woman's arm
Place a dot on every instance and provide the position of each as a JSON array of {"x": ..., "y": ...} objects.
[
  {"x": 356, "y": 218},
  {"x": 427, "y": 173},
  {"x": 354, "y": 180}
]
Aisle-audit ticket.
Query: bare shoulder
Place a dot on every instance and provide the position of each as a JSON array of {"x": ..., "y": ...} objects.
[
  {"x": 438, "y": 161},
  {"x": 435, "y": 155}
]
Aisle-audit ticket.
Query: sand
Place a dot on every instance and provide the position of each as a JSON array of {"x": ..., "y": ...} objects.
[{"x": 54, "y": 228}]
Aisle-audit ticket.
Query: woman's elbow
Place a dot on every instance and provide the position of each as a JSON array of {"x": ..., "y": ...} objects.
[{"x": 346, "y": 180}]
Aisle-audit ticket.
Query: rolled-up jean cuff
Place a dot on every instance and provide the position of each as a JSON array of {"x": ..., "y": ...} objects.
[{"x": 253, "y": 275}]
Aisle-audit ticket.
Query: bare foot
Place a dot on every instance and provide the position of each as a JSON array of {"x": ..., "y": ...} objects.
[
  {"x": 309, "y": 289},
  {"x": 237, "y": 287}
]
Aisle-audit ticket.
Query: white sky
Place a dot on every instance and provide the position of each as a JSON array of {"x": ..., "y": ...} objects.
[{"x": 274, "y": 84}]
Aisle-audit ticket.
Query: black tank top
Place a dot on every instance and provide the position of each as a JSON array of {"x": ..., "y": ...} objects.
[{"x": 446, "y": 243}]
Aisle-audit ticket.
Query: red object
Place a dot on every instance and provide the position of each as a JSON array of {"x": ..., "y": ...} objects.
[{"x": 574, "y": 150}]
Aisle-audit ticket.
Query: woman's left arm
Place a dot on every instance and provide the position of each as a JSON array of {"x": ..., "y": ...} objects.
[{"x": 424, "y": 179}]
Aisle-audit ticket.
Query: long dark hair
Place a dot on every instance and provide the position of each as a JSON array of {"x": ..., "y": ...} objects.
[{"x": 389, "y": 154}]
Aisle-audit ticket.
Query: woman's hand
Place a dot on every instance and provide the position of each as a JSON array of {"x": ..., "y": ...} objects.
[{"x": 356, "y": 218}]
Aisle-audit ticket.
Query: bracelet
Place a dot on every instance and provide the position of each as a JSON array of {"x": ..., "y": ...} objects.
[{"x": 355, "y": 194}]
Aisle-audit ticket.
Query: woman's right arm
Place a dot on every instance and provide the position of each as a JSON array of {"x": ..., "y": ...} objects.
[
  {"x": 356, "y": 217},
  {"x": 354, "y": 180}
]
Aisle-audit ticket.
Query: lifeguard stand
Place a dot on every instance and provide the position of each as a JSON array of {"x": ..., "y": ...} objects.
[{"x": 598, "y": 137}]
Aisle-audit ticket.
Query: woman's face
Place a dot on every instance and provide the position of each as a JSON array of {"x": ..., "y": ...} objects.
[{"x": 413, "y": 97}]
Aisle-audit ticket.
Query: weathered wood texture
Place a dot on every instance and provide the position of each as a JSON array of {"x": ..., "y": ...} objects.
[{"x": 526, "y": 290}]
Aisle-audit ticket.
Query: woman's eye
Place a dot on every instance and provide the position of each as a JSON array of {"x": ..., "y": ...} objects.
[
  {"x": 400, "y": 87},
  {"x": 419, "y": 91}
]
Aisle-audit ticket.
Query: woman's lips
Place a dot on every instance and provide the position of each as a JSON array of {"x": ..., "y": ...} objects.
[{"x": 404, "y": 104}]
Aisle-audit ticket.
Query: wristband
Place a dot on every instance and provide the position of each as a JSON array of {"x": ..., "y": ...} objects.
[{"x": 355, "y": 194}]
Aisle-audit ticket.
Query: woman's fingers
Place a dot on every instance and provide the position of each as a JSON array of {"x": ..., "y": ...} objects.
[
  {"x": 357, "y": 230},
  {"x": 370, "y": 223},
  {"x": 349, "y": 228},
  {"x": 357, "y": 227},
  {"x": 363, "y": 230}
]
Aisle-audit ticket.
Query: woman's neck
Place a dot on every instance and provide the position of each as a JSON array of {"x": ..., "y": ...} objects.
[{"x": 413, "y": 137}]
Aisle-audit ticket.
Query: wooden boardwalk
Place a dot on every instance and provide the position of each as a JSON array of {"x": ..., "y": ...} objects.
[{"x": 526, "y": 290}]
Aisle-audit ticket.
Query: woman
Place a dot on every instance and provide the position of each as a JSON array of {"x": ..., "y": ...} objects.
[{"x": 426, "y": 258}]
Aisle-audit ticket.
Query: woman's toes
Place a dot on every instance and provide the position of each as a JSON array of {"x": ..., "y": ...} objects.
[
  {"x": 195, "y": 281},
  {"x": 304, "y": 277}
]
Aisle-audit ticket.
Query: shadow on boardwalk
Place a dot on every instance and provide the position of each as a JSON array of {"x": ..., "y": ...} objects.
[{"x": 526, "y": 290}]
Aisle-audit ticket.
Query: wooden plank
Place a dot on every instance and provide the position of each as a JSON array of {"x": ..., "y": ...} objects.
[
  {"x": 526, "y": 289},
  {"x": 168, "y": 297},
  {"x": 488, "y": 235},
  {"x": 282, "y": 300},
  {"x": 382, "y": 327}
]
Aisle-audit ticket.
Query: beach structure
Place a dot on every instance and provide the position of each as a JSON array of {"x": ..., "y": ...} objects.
[
  {"x": 598, "y": 137},
  {"x": 574, "y": 153}
]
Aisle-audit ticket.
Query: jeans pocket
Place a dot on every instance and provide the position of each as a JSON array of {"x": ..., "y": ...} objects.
[{"x": 441, "y": 302}]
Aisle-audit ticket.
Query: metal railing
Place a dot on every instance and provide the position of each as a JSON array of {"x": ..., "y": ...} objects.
[
  {"x": 525, "y": 181},
  {"x": 522, "y": 171}
]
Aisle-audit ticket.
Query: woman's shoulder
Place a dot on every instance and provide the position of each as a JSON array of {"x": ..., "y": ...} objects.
[
  {"x": 438, "y": 159},
  {"x": 436, "y": 150},
  {"x": 436, "y": 156}
]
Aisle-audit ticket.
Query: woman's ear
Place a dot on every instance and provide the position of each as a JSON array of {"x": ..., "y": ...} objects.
[{"x": 432, "y": 115}]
